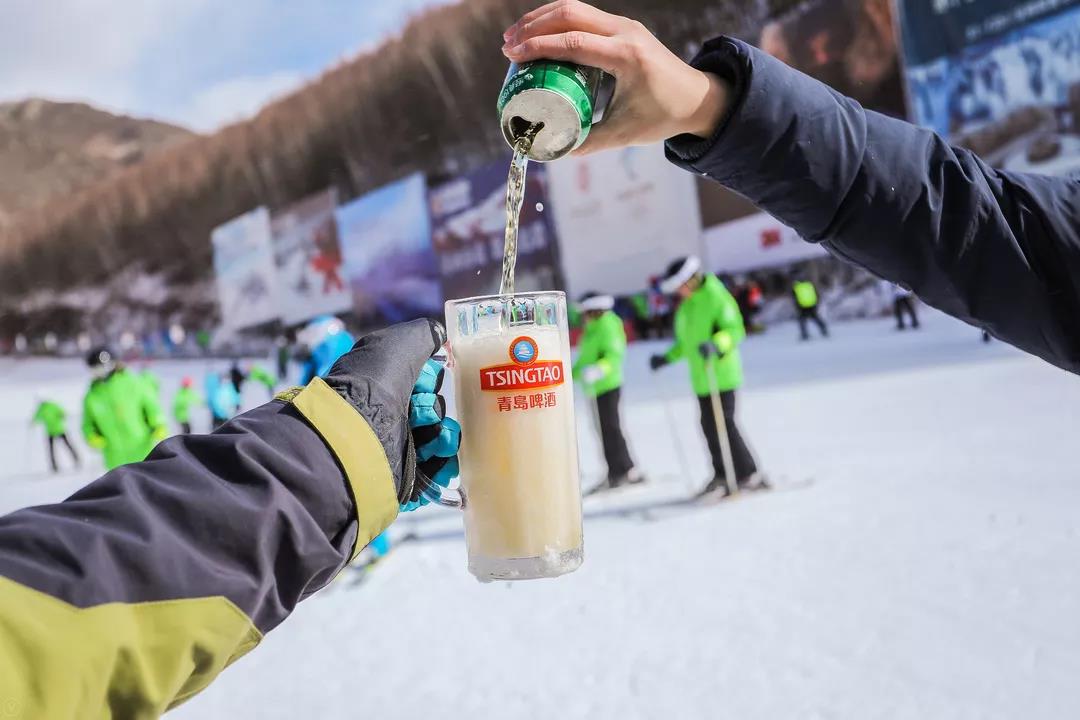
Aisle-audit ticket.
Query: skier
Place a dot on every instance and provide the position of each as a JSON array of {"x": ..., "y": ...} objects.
[
  {"x": 237, "y": 377},
  {"x": 806, "y": 305},
  {"x": 282, "y": 355},
  {"x": 54, "y": 419},
  {"x": 121, "y": 414},
  {"x": 262, "y": 376},
  {"x": 321, "y": 343},
  {"x": 903, "y": 304},
  {"x": 599, "y": 367},
  {"x": 875, "y": 191},
  {"x": 750, "y": 299},
  {"x": 708, "y": 330},
  {"x": 222, "y": 398},
  {"x": 133, "y": 595},
  {"x": 185, "y": 399}
]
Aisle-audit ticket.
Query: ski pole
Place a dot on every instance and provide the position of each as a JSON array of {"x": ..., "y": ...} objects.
[
  {"x": 594, "y": 406},
  {"x": 722, "y": 432},
  {"x": 676, "y": 442}
]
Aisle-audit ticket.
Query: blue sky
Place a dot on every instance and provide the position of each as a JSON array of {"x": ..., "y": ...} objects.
[{"x": 199, "y": 63}]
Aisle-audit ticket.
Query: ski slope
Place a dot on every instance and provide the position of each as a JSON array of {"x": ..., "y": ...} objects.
[{"x": 928, "y": 572}]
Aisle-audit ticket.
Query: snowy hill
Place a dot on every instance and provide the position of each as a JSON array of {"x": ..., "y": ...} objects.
[
  {"x": 52, "y": 149},
  {"x": 928, "y": 572}
]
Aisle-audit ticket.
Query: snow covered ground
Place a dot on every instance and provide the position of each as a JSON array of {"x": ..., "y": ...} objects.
[{"x": 928, "y": 572}]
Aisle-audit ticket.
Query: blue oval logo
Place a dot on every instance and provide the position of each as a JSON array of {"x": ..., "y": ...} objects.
[{"x": 523, "y": 350}]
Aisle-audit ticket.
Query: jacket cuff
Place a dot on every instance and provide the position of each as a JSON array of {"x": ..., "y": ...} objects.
[
  {"x": 790, "y": 144},
  {"x": 723, "y": 341},
  {"x": 360, "y": 454},
  {"x": 729, "y": 60}
]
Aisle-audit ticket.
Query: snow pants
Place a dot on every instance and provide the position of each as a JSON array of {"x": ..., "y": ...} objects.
[
  {"x": 52, "y": 450},
  {"x": 808, "y": 314},
  {"x": 903, "y": 306},
  {"x": 616, "y": 454},
  {"x": 741, "y": 457}
]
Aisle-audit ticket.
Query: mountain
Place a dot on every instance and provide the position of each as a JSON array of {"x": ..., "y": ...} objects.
[{"x": 50, "y": 149}]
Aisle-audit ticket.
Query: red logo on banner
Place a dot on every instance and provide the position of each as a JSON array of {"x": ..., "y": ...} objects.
[
  {"x": 770, "y": 237},
  {"x": 540, "y": 374}
]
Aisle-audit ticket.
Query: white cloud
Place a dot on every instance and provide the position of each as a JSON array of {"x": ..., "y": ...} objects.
[
  {"x": 201, "y": 63},
  {"x": 82, "y": 49},
  {"x": 236, "y": 99}
]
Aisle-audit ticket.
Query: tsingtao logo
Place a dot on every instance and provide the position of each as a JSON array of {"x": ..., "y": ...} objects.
[
  {"x": 524, "y": 351},
  {"x": 526, "y": 371}
]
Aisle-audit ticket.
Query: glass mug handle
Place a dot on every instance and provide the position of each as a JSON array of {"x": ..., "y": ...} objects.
[{"x": 439, "y": 495}]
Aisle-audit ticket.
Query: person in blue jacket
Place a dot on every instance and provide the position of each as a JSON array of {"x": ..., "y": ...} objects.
[
  {"x": 995, "y": 248},
  {"x": 222, "y": 398},
  {"x": 319, "y": 344}
]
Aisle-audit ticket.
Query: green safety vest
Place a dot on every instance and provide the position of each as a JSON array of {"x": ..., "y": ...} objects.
[
  {"x": 603, "y": 343},
  {"x": 805, "y": 294},
  {"x": 709, "y": 314}
]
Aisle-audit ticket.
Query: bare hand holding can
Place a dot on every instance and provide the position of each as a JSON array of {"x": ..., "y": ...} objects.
[{"x": 657, "y": 95}]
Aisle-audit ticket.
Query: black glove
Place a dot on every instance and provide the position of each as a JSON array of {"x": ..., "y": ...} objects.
[
  {"x": 708, "y": 350},
  {"x": 388, "y": 379},
  {"x": 657, "y": 361}
]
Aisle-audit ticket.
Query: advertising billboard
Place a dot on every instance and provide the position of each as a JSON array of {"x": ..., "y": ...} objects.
[
  {"x": 392, "y": 270},
  {"x": 308, "y": 258}
]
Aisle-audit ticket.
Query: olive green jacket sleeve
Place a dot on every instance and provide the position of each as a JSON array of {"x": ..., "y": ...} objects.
[{"x": 133, "y": 594}]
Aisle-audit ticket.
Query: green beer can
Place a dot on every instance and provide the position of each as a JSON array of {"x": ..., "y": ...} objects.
[{"x": 565, "y": 99}]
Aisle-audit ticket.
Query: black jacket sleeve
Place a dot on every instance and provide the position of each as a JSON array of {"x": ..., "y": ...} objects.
[
  {"x": 133, "y": 594},
  {"x": 997, "y": 249}
]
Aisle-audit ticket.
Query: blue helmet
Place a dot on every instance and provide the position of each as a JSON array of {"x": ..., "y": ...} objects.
[{"x": 318, "y": 331}]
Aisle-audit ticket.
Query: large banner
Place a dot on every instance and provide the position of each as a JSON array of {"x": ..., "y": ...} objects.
[
  {"x": 622, "y": 216},
  {"x": 308, "y": 258},
  {"x": 468, "y": 217},
  {"x": 850, "y": 45},
  {"x": 754, "y": 243},
  {"x": 390, "y": 263},
  {"x": 244, "y": 271},
  {"x": 999, "y": 76}
]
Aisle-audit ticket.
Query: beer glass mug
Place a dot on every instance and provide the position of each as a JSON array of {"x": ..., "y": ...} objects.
[{"x": 510, "y": 359}]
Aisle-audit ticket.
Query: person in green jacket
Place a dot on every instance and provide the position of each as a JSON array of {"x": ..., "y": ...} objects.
[
  {"x": 599, "y": 368},
  {"x": 806, "y": 304},
  {"x": 708, "y": 330},
  {"x": 53, "y": 417},
  {"x": 121, "y": 413},
  {"x": 262, "y": 376},
  {"x": 186, "y": 398}
]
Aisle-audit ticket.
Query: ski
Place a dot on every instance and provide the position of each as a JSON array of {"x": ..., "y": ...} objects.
[{"x": 681, "y": 506}]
